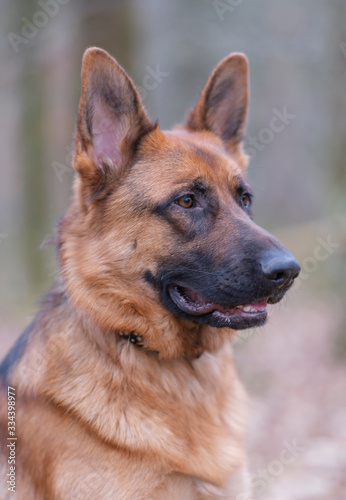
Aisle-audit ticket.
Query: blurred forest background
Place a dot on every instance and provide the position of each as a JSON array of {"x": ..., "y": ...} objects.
[{"x": 295, "y": 367}]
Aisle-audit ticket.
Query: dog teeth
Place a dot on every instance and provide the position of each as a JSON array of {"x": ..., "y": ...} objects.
[{"x": 249, "y": 309}]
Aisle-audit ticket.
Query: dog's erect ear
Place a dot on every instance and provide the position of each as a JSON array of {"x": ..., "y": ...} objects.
[
  {"x": 222, "y": 106},
  {"x": 111, "y": 117}
]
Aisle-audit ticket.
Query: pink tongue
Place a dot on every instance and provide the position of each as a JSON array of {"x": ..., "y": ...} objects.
[
  {"x": 198, "y": 300},
  {"x": 259, "y": 305}
]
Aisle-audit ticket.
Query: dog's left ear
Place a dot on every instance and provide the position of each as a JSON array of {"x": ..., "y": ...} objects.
[
  {"x": 222, "y": 106},
  {"x": 111, "y": 121}
]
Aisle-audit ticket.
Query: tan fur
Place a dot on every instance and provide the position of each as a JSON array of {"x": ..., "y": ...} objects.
[{"x": 98, "y": 417}]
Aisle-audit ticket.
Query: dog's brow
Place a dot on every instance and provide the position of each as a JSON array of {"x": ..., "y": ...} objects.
[
  {"x": 198, "y": 185},
  {"x": 192, "y": 185},
  {"x": 238, "y": 184}
]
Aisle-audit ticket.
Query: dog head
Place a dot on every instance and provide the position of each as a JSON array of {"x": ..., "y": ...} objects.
[{"x": 160, "y": 237}]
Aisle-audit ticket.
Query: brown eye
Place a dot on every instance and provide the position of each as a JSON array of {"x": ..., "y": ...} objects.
[
  {"x": 186, "y": 201},
  {"x": 246, "y": 200}
]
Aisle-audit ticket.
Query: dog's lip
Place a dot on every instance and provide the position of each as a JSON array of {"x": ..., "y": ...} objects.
[{"x": 195, "y": 304}]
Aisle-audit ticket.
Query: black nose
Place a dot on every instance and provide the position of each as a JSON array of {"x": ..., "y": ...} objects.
[{"x": 281, "y": 268}]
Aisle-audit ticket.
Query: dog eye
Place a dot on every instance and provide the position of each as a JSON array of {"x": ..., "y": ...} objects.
[
  {"x": 186, "y": 201},
  {"x": 245, "y": 200}
]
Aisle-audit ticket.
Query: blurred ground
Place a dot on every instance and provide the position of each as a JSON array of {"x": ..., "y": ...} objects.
[{"x": 296, "y": 382}]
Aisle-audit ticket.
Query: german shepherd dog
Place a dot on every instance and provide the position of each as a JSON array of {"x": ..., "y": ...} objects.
[{"x": 124, "y": 385}]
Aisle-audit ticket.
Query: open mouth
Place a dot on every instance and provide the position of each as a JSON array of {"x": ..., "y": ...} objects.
[{"x": 203, "y": 310}]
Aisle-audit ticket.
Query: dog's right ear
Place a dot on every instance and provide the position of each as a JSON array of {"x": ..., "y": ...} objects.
[
  {"x": 222, "y": 106},
  {"x": 111, "y": 121}
]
